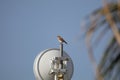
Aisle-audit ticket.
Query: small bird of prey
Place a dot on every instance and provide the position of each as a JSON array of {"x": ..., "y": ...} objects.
[{"x": 61, "y": 40}]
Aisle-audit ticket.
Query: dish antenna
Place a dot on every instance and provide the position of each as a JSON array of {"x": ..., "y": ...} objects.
[{"x": 53, "y": 64}]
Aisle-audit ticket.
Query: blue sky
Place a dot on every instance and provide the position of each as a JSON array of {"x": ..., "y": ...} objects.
[{"x": 28, "y": 27}]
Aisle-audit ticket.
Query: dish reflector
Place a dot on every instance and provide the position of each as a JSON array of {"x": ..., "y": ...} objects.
[{"x": 42, "y": 64}]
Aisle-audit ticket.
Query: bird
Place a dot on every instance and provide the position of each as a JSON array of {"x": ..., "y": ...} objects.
[{"x": 61, "y": 40}]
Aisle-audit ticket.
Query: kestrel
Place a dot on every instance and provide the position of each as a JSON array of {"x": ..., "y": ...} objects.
[{"x": 61, "y": 40}]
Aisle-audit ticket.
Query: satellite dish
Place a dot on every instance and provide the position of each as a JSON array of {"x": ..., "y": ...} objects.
[{"x": 42, "y": 64}]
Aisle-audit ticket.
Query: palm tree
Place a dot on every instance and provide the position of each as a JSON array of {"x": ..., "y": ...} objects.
[{"x": 102, "y": 20}]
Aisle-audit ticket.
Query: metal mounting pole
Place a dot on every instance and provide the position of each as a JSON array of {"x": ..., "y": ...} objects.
[
  {"x": 61, "y": 49},
  {"x": 55, "y": 77},
  {"x": 61, "y": 54}
]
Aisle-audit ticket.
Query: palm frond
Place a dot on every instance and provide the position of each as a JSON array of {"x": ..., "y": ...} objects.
[{"x": 107, "y": 15}]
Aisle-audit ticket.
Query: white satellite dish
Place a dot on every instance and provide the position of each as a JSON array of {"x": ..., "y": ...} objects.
[{"x": 42, "y": 64}]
